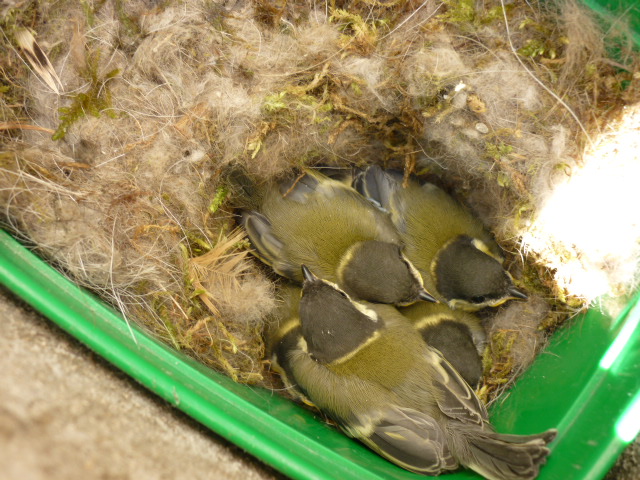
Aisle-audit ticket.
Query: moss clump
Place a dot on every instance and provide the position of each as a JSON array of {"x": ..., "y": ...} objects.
[
  {"x": 497, "y": 363},
  {"x": 541, "y": 40},
  {"x": 219, "y": 198},
  {"x": 96, "y": 100},
  {"x": 358, "y": 34}
]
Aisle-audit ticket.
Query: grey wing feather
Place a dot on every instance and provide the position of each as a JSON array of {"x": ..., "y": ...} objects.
[
  {"x": 268, "y": 247},
  {"x": 377, "y": 185},
  {"x": 412, "y": 440},
  {"x": 456, "y": 399},
  {"x": 300, "y": 187},
  {"x": 384, "y": 189}
]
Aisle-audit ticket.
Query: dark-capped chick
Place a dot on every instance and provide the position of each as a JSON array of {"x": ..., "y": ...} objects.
[
  {"x": 460, "y": 262},
  {"x": 314, "y": 220},
  {"x": 283, "y": 333},
  {"x": 367, "y": 368},
  {"x": 457, "y": 334}
]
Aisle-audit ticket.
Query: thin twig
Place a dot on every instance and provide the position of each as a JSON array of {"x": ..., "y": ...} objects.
[{"x": 24, "y": 126}]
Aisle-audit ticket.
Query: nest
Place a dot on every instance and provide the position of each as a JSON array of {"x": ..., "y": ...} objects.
[{"x": 113, "y": 152}]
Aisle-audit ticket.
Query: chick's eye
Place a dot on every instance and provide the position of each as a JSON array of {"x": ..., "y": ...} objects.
[{"x": 478, "y": 299}]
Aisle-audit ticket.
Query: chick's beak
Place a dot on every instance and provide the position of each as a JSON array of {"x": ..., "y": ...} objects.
[
  {"x": 517, "y": 294},
  {"x": 308, "y": 276},
  {"x": 426, "y": 296}
]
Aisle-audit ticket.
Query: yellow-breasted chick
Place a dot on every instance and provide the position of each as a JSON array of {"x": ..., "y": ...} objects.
[
  {"x": 460, "y": 262},
  {"x": 366, "y": 367},
  {"x": 314, "y": 220},
  {"x": 457, "y": 334}
]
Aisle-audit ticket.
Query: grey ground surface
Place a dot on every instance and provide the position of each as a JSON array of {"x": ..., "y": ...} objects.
[{"x": 67, "y": 414}]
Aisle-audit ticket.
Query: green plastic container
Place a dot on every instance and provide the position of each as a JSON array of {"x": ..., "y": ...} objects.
[
  {"x": 620, "y": 13},
  {"x": 586, "y": 384}
]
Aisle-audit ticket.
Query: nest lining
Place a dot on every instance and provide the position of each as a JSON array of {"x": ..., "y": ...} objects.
[{"x": 117, "y": 178}]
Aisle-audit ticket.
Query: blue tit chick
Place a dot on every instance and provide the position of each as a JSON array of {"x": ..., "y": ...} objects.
[
  {"x": 282, "y": 333},
  {"x": 314, "y": 220},
  {"x": 460, "y": 262},
  {"x": 366, "y": 367},
  {"x": 457, "y": 334}
]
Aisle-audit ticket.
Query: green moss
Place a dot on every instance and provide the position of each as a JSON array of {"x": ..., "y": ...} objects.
[
  {"x": 358, "y": 34},
  {"x": 503, "y": 179},
  {"x": 195, "y": 245},
  {"x": 218, "y": 199},
  {"x": 459, "y": 12},
  {"x": 294, "y": 104},
  {"x": 95, "y": 101},
  {"x": 465, "y": 15},
  {"x": 495, "y": 14},
  {"x": 498, "y": 360},
  {"x": 543, "y": 42},
  {"x": 523, "y": 212},
  {"x": 536, "y": 47},
  {"x": 498, "y": 150},
  {"x": 274, "y": 102},
  {"x": 243, "y": 245},
  {"x": 161, "y": 320}
]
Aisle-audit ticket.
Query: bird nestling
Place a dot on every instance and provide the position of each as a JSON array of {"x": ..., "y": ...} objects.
[
  {"x": 460, "y": 262},
  {"x": 369, "y": 369},
  {"x": 314, "y": 220}
]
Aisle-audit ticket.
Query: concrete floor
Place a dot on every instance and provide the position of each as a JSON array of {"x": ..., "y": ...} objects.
[{"x": 67, "y": 414}]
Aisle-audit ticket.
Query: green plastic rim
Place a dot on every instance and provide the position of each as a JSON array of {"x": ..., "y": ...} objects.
[{"x": 585, "y": 384}]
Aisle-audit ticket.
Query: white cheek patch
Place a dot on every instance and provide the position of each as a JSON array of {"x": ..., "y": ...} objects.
[
  {"x": 431, "y": 320},
  {"x": 344, "y": 261},
  {"x": 302, "y": 344},
  {"x": 480, "y": 245},
  {"x": 334, "y": 286},
  {"x": 414, "y": 271},
  {"x": 367, "y": 311},
  {"x": 286, "y": 327},
  {"x": 370, "y": 313}
]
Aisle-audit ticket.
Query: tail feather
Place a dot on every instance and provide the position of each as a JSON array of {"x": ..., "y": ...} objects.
[{"x": 505, "y": 457}]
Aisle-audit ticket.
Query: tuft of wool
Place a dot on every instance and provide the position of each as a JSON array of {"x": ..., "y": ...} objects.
[
  {"x": 515, "y": 337},
  {"x": 585, "y": 46},
  {"x": 584, "y": 228}
]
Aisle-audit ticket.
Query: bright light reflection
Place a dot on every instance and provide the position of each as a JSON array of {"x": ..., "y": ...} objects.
[
  {"x": 628, "y": 425},
  {"x": 616, "y": 348},
  {"x": 589, "y": 226}
]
